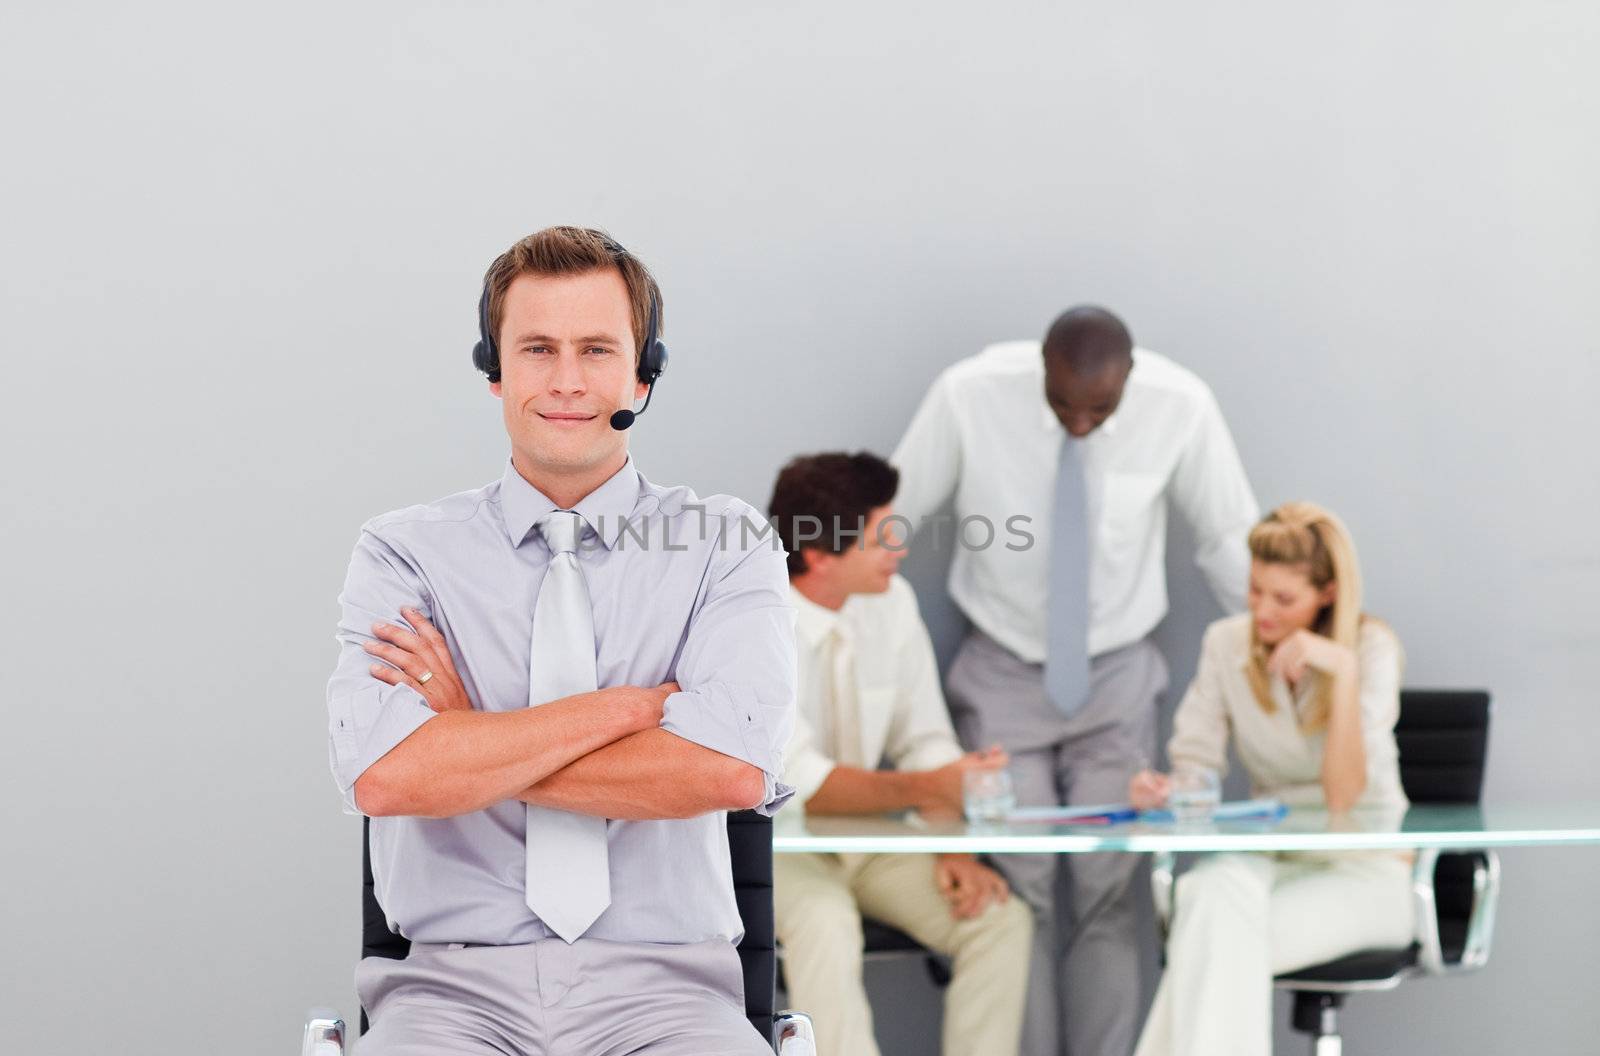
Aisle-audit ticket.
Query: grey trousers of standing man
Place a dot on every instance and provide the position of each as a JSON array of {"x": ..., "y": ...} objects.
[{"x": 1089, "y": 993}]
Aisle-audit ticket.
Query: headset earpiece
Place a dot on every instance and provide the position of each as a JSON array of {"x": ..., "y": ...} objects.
[
  {"x": 485, "y": 356},
  {"x": 653, "y": 353}
]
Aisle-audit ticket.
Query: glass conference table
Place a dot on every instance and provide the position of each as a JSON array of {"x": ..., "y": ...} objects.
[{"x": 1301, "y": 829}]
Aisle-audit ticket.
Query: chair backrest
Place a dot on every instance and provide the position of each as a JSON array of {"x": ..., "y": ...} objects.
[
  {"x": 750, "y": 852},
  {"x": 750, "y": 848},
  {"x": 1443, "y": 735}
]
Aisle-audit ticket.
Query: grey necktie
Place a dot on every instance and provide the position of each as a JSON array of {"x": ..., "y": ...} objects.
[
  {"x": 1066, "y": 665},
  {"x": 569, "y": 876}
]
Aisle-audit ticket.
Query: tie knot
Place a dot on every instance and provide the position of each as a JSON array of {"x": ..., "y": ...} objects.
[{"x": 560, "y": 529}]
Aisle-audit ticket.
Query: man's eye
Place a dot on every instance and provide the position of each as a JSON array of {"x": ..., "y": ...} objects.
[
  {"x": 536, "y": 349},
  {"x": 599, "y": 350}
]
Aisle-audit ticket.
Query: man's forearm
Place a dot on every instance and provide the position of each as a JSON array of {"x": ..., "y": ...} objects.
[
  {"x": 852, "y": 790},
  {"x": 460, "y": 761},
  {"x": 647, "y": 776}
]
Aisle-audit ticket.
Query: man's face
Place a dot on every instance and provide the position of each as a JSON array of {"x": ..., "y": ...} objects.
[
  {"x": 1082, "y": 402},
  {"x": 567, "y": 362},
  {"x": 867, "y": 564}
]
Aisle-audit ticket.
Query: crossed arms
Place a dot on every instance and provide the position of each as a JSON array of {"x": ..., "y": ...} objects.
[{"x": 402, "y": 746}]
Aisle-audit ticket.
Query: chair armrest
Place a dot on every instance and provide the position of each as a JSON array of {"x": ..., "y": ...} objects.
[
  {"x": 1485, "y": 900},
  {"x": 324, "y": 1034},
  {"x": 1480, "y": 918},
  {"x": 795, "y": 1036},
  {"x": 1161, "y": 867}
]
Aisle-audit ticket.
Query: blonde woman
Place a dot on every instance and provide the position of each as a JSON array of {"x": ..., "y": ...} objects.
[{"x": 1309, "y": 688}]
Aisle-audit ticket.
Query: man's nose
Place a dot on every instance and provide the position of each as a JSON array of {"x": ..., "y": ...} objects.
[{"x": 567, "y": 375}]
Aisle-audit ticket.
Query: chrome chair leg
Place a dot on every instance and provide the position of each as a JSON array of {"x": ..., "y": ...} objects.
[
  {"x": 795, "y": 1035},
  {"x": 324, "y": 1034}
]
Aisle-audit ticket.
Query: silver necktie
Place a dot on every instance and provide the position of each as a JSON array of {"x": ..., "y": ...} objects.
[
  {"x": 569, "y": 876},
  {"x": 1066, "y": 665}
]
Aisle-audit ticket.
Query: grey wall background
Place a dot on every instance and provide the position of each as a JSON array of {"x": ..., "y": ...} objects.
[{"x": 241, "y": 254}]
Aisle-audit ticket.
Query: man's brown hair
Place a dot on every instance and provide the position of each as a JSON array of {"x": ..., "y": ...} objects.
[
  {"x": 571, "y": 251},
  {"x": 829, "y": 495}
]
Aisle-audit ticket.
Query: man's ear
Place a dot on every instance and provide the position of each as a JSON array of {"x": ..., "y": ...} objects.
[
  {"x": 639, "y": 391},
  {"x": 819, "y": 560},
  {"x": 494, "y": 387}
]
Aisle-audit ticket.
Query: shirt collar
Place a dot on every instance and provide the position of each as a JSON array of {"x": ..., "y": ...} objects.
[
  {"x": 813, "y": 623},
  {"x": 606, "y": 509}
]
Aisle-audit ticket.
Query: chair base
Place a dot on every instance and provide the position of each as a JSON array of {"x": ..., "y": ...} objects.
[{"x": 1317, "y": 1013}]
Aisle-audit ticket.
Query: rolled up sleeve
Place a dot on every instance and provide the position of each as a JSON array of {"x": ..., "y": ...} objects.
[
  {"x": 921, "y": 736},
  {"x": 367, "y": 717},
  {"x": 737, "y": 667}
]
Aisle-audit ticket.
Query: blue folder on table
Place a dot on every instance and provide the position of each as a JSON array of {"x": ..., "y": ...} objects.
[
  {"x": 1112, "y": 813},
  {"x": 1239, "y": 810}
]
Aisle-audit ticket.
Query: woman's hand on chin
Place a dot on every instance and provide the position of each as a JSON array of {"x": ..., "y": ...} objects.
[{"x": 1305, "y": 650}]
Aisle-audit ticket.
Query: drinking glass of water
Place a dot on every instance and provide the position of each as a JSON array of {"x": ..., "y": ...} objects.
[
  {"x": 1196, "y": 791},
  {"x": 987, "y": 795}
]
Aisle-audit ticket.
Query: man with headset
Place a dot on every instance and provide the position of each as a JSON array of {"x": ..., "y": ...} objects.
[{"x": 549, "y": 691}]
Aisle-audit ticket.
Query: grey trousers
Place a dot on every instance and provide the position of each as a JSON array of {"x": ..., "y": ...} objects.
[
  {"x": 593, "y": 998},
  {"x": 1089, "y": 992}
]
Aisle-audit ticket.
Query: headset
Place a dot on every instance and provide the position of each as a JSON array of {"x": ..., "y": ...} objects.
[{"x": 652, "y": 354}]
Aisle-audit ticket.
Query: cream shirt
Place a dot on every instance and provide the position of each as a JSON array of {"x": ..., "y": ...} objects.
[
  {"x": 1281, "y": 759},
  {"x": 899, "y": 709},
  {"x": 985, "y": 435}
]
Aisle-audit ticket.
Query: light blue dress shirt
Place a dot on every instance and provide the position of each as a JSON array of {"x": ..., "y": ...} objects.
[{"x": 684, "y": 589}]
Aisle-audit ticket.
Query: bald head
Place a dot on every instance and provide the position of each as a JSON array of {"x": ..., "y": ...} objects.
[
  {"x": 1088, "y": 355},
  {"x": 1088, "y": 339}
]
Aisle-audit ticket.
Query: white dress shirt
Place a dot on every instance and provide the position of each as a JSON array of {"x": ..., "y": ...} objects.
[
  {"x": 898, "y": 710},
  {"x": 985, "y": 435}
]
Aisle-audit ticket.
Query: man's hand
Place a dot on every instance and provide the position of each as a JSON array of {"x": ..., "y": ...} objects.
[
  {"x": 942, "y": 787},
  {"x": 969, "y": 887},
  {"x": 1149, "y": 789},
  {"x": 411, "y": 654}
]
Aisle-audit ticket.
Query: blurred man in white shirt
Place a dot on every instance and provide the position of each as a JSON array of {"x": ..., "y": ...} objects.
[
  {"x": 868, "y": 689},
  {"x": 1077, "y": 447}
]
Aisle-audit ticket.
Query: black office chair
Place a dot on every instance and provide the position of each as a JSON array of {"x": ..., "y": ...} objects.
[
  {"x": 1443, "y": 736},
  {"x": 749, "y": 849},
  {"x": 881, "y": 942}
]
